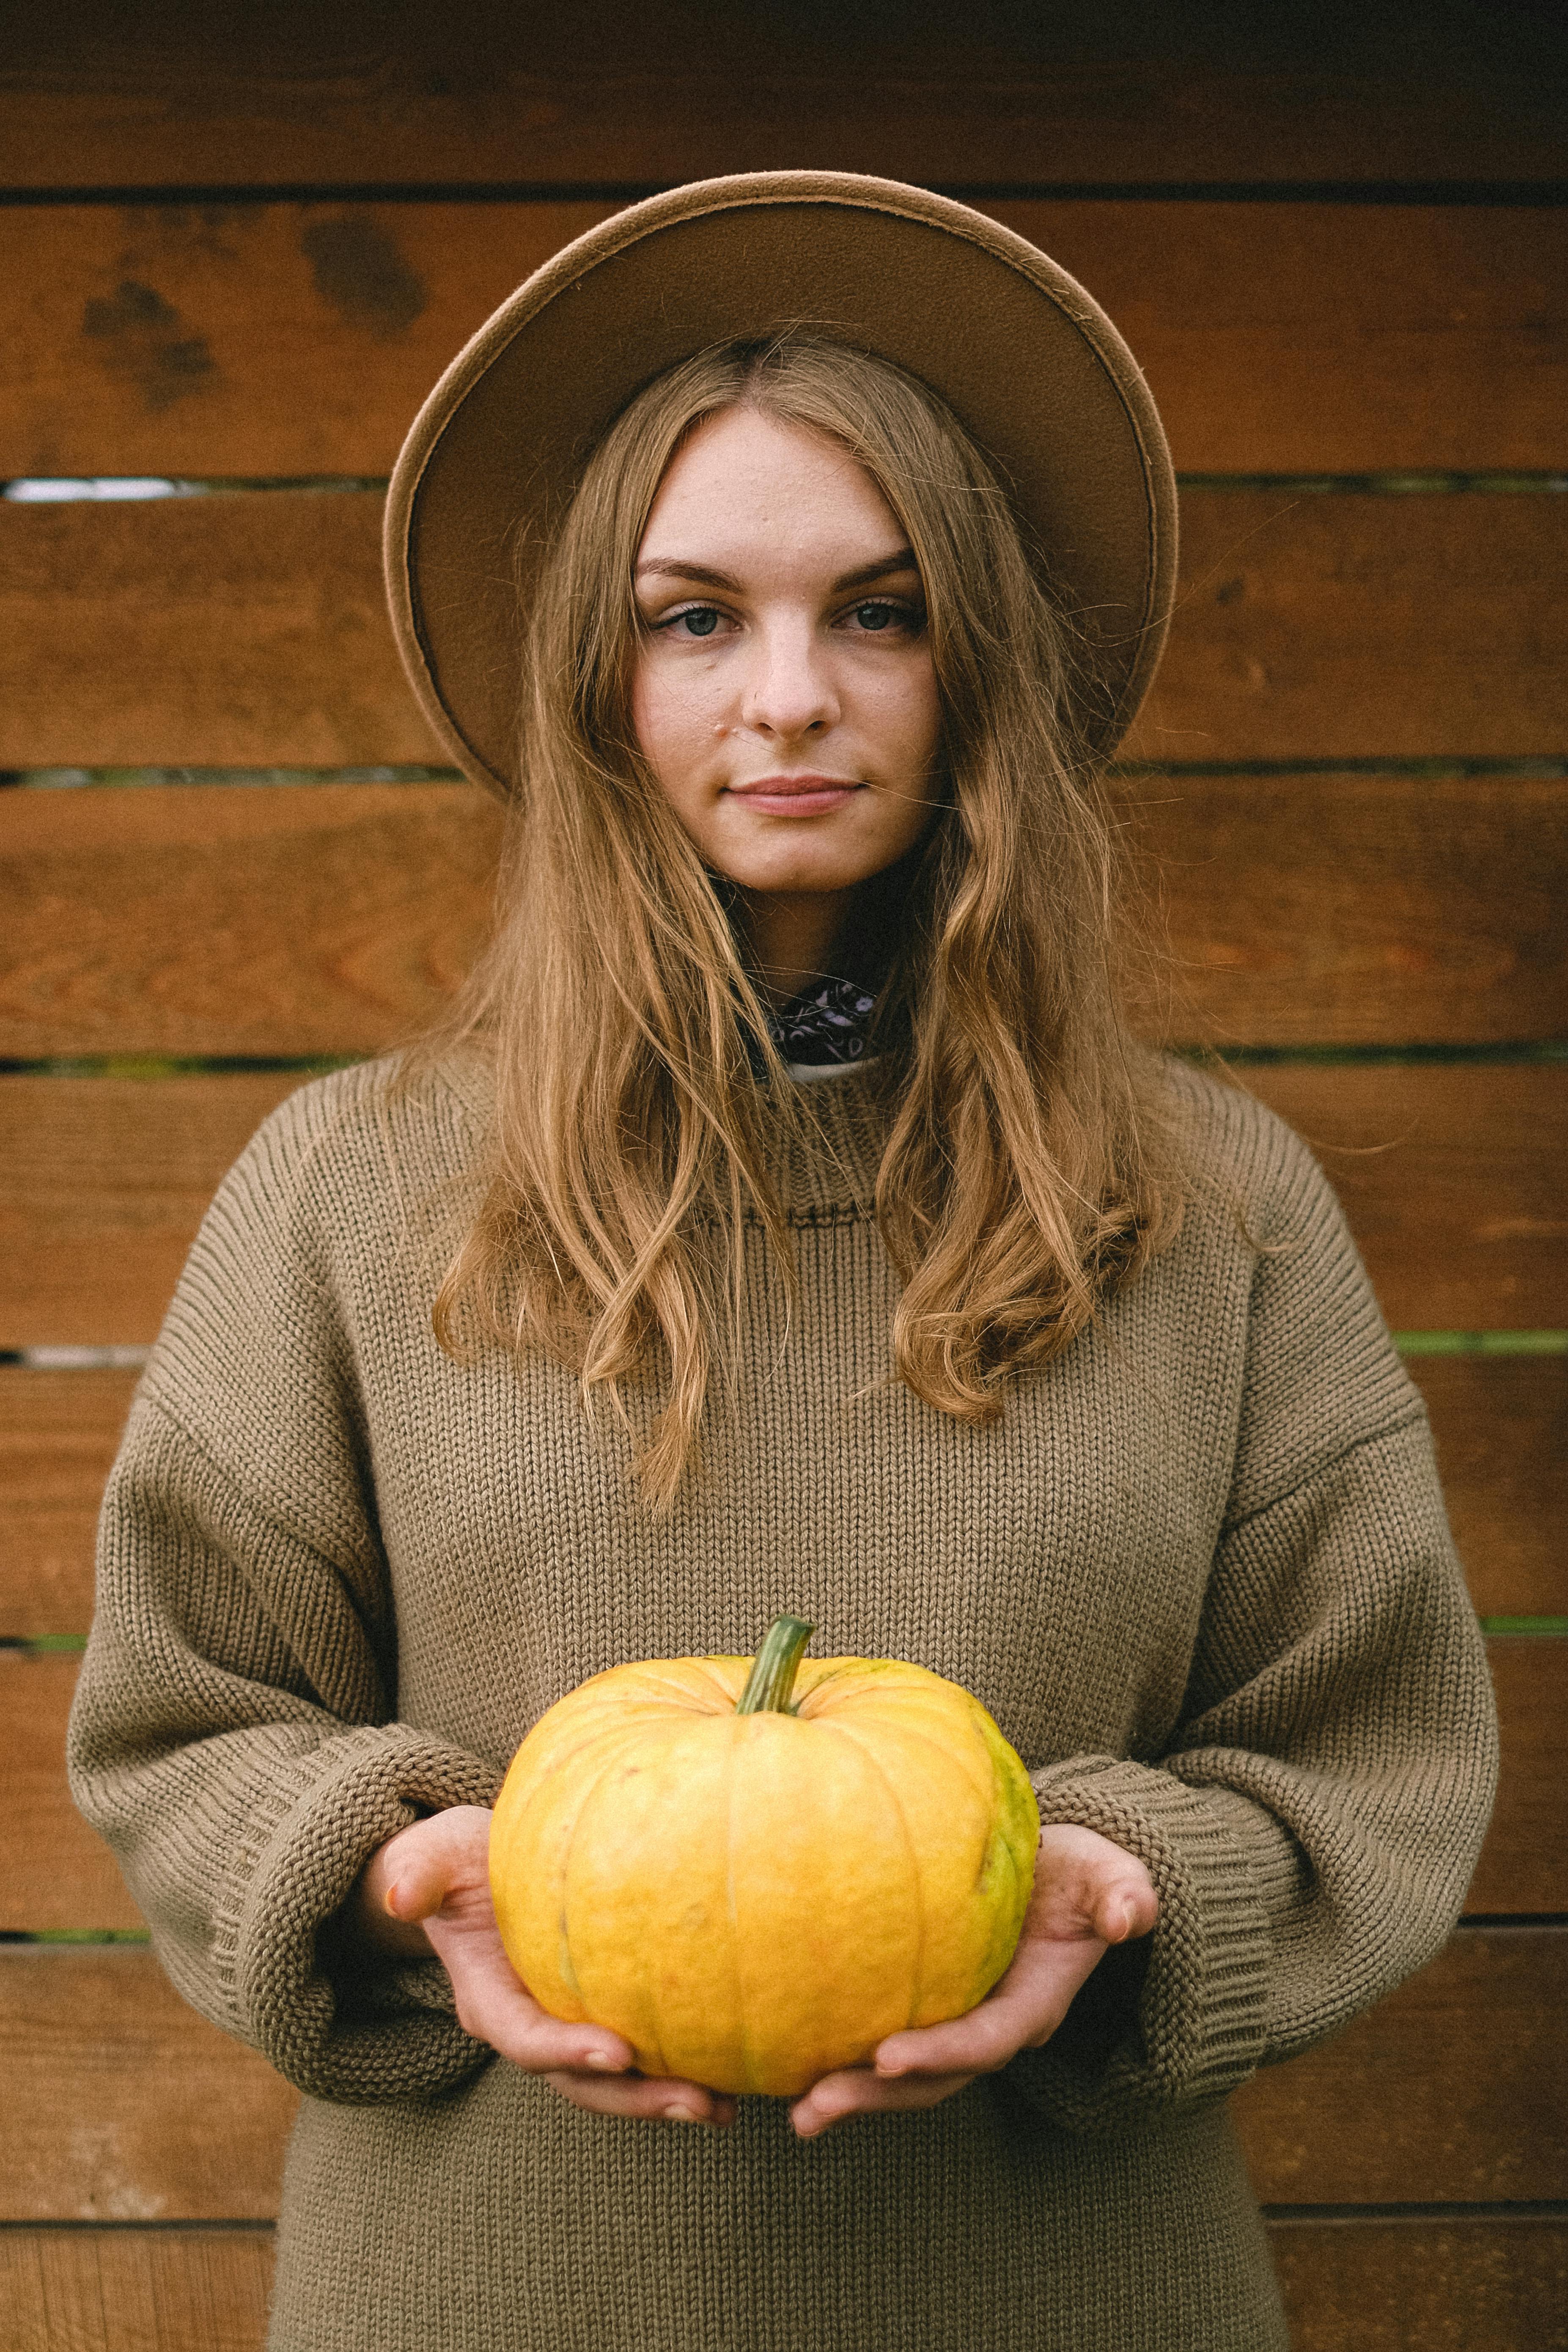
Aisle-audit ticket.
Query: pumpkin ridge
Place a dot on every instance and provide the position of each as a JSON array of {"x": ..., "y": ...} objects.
[
  {"x": 589, "y": 1794},
  {"x": 682, "y": 1692},
  {"x": 910, "y": 1731},
  {"x": 882, "y": 1773},
  {"x": 745, "y": 2040}
]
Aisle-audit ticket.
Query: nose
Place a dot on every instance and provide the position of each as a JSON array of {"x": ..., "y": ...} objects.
[{"x": 788, "y": 692}]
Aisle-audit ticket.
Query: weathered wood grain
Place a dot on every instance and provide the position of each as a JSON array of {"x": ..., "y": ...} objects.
[
  {"x": 480, "y": 94},
  {"x": 124, "y": 2105},
  {"x": 253, "y": 625},
  {"x": 1524, "y": 1863},
  {"x": 290, "y": 338},
  {"x": 54, "y": 1873},
  {"x": 249, "y": 631},
  {"x": 58, "y": 1431},
  {"x": 1409, "y": 2285},
  {"x": 1501, "y": 1423},
  {"x": 288, "y": 921},
  {"x": 102, "y": 1185},
  {"x": 225, "y": 919},
  {"x": 1313, "y": 626},
  {"x": 1354, "y": 910},
  {"x": 1445, "y": 1172},
  {"x": 1452, "y": 2090},
  {"x": 130, "y": 2290}
]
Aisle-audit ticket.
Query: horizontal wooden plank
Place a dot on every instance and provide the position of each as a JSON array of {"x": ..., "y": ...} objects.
[
  {"x": 282, "y": 921},
  {"x": 1354, "y": 910},
  {"x": 253, "y": 625},
  {"x": 1327, "y": 627},
  {"x": 1454, "y": 2089},
  {"x": 130, "y": 2290},
  {"x": 1301, "y": 910},
  {"x": 124, "y": 2105},
  {"x": 1451, "y": 1176},
  {"x": 249, "y": 631},
  {"x": 481, "y": 93},
  {"x": 1399, "y": 2285},
  {"x": 102, "y": 1185},
  {"x": 1362, "y": 2285},
  {"x": 58, "y": 1431},
  {"x": 1501, "y": 1423},
  {"x": 55, "y": 1874},
  {"x": 301, "y": 338},
  {"x": 1524, "y": 1863},
  {"x": 1502, "y": 1428}
]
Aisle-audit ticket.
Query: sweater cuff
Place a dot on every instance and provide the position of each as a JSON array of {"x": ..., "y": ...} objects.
[
  {"x": 1179, "y": 2017},
  {"x": 359, "y": 2031}
]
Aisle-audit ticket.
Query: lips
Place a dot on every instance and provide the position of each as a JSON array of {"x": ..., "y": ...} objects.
[
  {"x": 786, "y": 786},
  {"x": 795, "y": 794}
]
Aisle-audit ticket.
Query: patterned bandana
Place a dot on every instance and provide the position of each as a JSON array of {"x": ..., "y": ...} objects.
[{"x": 826, "y": 1023}]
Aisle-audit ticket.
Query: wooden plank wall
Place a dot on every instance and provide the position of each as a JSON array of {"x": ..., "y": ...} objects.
[{"x": 229, "y": 853}]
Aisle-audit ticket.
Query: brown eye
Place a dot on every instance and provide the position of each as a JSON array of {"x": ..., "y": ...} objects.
[{"x": 875, "y": 616}]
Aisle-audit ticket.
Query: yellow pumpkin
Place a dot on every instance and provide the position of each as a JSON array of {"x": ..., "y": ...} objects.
[{"x": 754, "y": 1869}]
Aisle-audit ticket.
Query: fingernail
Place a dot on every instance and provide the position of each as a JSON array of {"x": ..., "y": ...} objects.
[
  {"x": 680, "y": 2115},
  {"x": 601, "y": 2062},
  {"x": 389, "y": 1904}
]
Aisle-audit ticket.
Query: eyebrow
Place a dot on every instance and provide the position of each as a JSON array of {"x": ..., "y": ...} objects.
[{"x": 677, "y": 568}]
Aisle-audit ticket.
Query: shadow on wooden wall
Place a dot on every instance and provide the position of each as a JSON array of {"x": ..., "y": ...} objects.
[{"x": 230, "y": 855}]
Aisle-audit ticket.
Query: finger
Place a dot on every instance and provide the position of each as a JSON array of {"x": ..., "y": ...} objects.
[
  {"x": 1026, "y": 2009},
  {"x": 858, "y": 2091},
  {"x": 642, "y": 2098},
  {"x": 495, "y": 2006},
  {"x": 519, "y": 2029}
]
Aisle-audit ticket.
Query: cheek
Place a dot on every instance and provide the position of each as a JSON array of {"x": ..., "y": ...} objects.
[
  {"x": 672, "y": 714},
  {"x": 906, "y": 712}
]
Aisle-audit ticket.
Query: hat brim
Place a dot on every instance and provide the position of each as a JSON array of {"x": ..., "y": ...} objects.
[{"x": 1025, "y": 357}]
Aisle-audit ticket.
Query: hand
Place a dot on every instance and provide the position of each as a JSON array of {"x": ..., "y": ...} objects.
[
  {"x": 1088, "y": 1894},
  {"x": 428, "y": 1890}
]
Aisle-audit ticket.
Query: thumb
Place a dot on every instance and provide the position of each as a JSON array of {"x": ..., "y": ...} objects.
[
  {"x": 1123, "y": 1910},
  {"x": 433, "y": 1860}
]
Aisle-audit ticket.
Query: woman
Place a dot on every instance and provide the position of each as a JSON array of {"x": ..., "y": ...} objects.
[{"x": 785, "y": 1218}]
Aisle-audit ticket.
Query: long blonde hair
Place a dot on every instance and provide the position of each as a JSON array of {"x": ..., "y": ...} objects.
[{"x": 1027, "y": 1172}]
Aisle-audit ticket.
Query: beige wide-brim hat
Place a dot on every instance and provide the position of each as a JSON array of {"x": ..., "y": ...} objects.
[{"x": 1027, "y": 360}]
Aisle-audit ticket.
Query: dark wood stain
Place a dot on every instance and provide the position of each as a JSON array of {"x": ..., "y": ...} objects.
[
  {"x": 359, "y": 272},
  {"x": 139, "y": 334}
]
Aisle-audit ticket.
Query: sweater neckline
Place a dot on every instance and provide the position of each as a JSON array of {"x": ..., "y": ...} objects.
[{"x": 828, "y": 1169}]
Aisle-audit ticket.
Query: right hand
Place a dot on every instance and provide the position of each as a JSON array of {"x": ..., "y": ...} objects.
[{"x": 428, "y": 1890}]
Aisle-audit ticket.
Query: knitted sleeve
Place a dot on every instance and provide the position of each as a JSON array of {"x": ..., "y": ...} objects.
[
  {"x": 1315, "y": 1822},
  {"x": 232, "y": 1737}
]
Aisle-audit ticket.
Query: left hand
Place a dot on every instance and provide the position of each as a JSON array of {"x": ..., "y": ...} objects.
[{"x": 1089, "y": 1895}]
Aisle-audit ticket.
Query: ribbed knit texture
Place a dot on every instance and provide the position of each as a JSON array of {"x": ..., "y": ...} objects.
[{"x": 1199, "y": 1572}]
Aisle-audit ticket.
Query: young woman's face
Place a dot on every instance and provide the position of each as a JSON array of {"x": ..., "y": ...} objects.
[{"x": 784, "y": 696}]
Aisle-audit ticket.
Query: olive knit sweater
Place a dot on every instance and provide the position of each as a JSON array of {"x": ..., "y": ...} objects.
[{"x": 1199, "y": 1573}]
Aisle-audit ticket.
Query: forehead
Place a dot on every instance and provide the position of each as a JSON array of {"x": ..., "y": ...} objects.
[{"x": 743, "y": 476}]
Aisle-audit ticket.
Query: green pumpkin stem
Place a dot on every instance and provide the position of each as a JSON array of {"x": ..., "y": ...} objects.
[{"x": 775, "y": 1667}]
